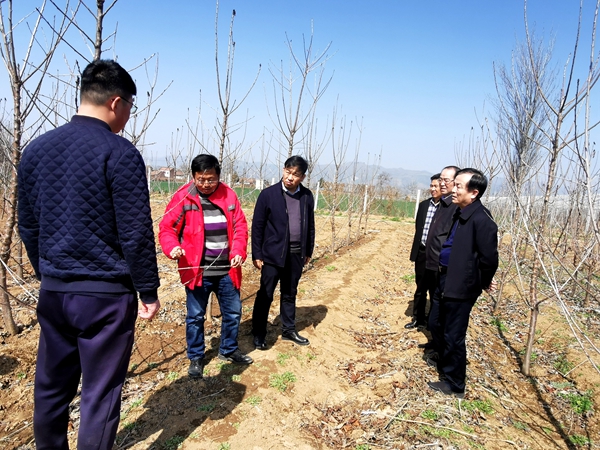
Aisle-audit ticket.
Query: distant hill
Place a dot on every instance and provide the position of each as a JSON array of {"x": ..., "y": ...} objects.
[{"x": 364, "y": 174}]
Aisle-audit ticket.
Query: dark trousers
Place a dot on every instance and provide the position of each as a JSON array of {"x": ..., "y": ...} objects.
[
  {"x": 288, "y": 277},
  {"x": 426, "y": 283},
  {"x": 454, "y": 319},
  {"x": 437, "y": 337},
  {"x": 81, "y": 335}
]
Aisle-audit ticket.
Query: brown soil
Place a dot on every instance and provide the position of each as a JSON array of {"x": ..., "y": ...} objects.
[{"x": 361, "y": 384}]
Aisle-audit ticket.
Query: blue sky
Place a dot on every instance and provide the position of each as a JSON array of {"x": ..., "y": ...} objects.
[{"x": 417, "y": 73}]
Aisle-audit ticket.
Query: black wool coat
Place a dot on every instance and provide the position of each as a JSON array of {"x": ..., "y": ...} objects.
[{"x": 474, "y": 255}]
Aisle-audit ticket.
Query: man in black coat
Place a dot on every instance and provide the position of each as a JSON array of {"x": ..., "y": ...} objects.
[
  {"x": 425, "y": 213},
  {"x": 283, "y": 239},
  {"x": 440, "y": 225},
  {"x": 468, "y": 262}
]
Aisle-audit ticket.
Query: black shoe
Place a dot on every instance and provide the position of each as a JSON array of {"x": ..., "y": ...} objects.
[
  {"x": 260, "y": 343},
  {"x": 294, "y": 337},
  {"x": 237, "y": 357},
  {"x": 426, "y": 345},
  {"x": 410, "y": 325},
  {"x": 196, "y": 368},
  {"x": 432, "y": 360},
  {"x": 444, "y": 388}
]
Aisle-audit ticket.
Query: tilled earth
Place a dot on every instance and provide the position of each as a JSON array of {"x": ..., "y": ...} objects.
[{"x": 361, "y": 384}]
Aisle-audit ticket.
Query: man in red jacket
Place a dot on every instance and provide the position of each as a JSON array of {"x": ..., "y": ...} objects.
[{"x": 205, "y": 229}]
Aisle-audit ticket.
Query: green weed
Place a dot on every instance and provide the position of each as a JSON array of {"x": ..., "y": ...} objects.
[
  {"x": 282, "y": 358},
  {"x": 207, "y": 408},
  {"x": 222, "y": 366},
  {"x": 330, "y": 268},
  {"x": 563, "y": 365},
  {"x": 281, "y": 382},
  {"x": 520, "y": 425},
  {"x": 152, "y": 365},
  {"x": 485, "y": 406},
  {"x": 225, "y": 446},
  {"x": 477, "y": 445},
  {"x": 562, "y": 385},
  {"x": 408, "y": 278},
  {"x": 236, "y": 378},
  {"x": 440, "y": 432},
  {"x": 254, "y": 400},
  {"x": 173, "y": 443},
  {"x": 579, "y": 440},
  {"x": 581, "y": 403},
  {"x": 362, "y": 447},
  {"x": 172, "y": 376},
  {"x": 497, "y": 322},
  {"x": 429, "y": 414},
  {"x": 468, "y": 428}
]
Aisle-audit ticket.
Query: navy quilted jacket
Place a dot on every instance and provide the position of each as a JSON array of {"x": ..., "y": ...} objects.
[{"x": 84, "y": 211}]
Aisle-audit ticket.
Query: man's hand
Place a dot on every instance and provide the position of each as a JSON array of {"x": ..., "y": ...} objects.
[
  {"x": 148, "y": 310},
  {"x": 306, "y": 260},
  {"x": 236, "y": 261},
  {"x": 492, "y": 288},
  {"x": 177, "y": 252},
  {"x": 258, "y": 263}
]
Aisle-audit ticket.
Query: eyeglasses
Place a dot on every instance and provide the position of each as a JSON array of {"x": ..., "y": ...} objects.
[
  {"x": 134, "y": 107},
  {"x": 202, "y": 182},
  {"x": 446, "y": 180},
  {"x": 294, "y": 173}
]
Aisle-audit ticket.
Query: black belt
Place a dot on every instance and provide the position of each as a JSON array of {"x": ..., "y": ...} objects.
[{"x": 443, "y": 269}]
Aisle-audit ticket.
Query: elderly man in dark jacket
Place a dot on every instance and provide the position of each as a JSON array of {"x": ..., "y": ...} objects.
[
  {"x": 468, "y": 262},
  {"x": 438, "y": 231},
  {"x": 283, "y": 238},
  {"x": 425, "y": 213},
  {"x": 84, "y": 216}
]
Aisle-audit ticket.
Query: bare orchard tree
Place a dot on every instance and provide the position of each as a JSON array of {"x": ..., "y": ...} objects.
[
  {"x": 227, "y": 106},
  {"x": 294, "y": 98},
  {"x": 27, "y": 74},
  {"x": 340, "y": 140},
  {"x": 550, "y": 226},
  {"x": 354, "y": 198},
  {"x": 520, "y": 115},
  {"x": 315, "y": 144},
  {"x": 369, "y": 190}
]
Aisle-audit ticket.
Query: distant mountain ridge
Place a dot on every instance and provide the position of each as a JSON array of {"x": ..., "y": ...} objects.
[{"x": 363, "y": 174}]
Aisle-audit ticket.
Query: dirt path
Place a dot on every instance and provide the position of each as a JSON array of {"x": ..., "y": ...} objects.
[{"x": 360, "y": 385}]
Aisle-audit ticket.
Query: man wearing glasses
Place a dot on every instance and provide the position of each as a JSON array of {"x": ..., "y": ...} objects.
[
  {"x": 84, "y": 216},
  {"x": 205, "y": 230},
  {"x": 438, "y": 231},
  {"x": 283, "y": 238},
  {"x": 425, "y": 213}
]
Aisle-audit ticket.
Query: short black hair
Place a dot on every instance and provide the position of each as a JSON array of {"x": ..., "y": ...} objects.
[
  {"x": 205, "y": 162},
  {"x": 296, "y": 161},
  {"x": 478, "y": 181},
  {"x": 103, "y": 79},
  {"x": 437, "y": 176},
  {"x": 456, "y": 169}
]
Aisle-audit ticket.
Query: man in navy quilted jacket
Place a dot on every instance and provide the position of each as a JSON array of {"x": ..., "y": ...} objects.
[{"x": 84, "y": 216}]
